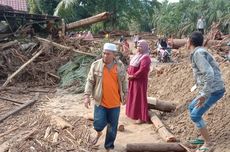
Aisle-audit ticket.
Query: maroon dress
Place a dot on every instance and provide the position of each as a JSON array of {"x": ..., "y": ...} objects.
[{"x": 136, "y": 106}]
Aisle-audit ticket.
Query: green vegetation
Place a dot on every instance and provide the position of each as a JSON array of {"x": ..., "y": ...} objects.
[{"x": 140, "y": 15}]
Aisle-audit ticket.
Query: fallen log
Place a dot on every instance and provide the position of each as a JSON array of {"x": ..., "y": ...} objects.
[
  {"x": 161, "y": 129},
  {"x": 23, "y": 106},
  {"x": 65, "y": 47},
  {"x": 155, "y": 147},
  {"x": 8, "y": 44},
  {"x": 88, "y": 21},
  {"x": 161, "y": 105},
  {"x": 22, "y": 67},
  {"x": 177, "y": 43}
]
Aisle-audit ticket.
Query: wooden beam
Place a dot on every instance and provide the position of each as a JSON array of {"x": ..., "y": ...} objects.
[
  {"x": 23, "y": 106},
  {"x": 65, "y": 47},
  {"x": 155, "y": 147}
]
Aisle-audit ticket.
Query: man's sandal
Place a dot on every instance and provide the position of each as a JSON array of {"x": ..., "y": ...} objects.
[
  {"x": 197, "y": 141},
  {"x": 205, "y": 149}
]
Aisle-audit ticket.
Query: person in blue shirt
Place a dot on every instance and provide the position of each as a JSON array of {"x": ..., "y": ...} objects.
[{"x": 208, "y": 78}]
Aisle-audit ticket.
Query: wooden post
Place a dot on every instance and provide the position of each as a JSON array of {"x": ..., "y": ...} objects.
[
  {"x": 164, "y": 133},
  {"x": 154, "y": 147}
]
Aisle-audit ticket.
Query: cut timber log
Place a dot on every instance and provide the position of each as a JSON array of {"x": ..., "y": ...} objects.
[
  {"x": 177, "y": 43},
  {"x": 64, "y": 47},
  {"x": 154, "y": 147},
  {"x": 88, "y": 21},
  {"x": 23, "y": 106},
  {"x": 9, "y": 44},
  {"x": 161, "y": 105},
  {"x": 22, "y": 67},
  {"x": 162, "y": 130}
]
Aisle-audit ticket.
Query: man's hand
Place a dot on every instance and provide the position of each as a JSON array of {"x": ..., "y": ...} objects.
[
  {"x": 200, "y": 102},
  {"x": 87, "y": 101}
]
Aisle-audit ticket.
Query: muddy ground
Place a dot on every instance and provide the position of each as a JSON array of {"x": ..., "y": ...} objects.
[{"x": 32, "y": 128}]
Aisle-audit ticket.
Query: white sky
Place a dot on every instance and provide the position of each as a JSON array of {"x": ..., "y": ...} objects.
[{"x": 169, "y": 0}]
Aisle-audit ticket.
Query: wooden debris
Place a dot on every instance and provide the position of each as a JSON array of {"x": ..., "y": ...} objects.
[
  {"x": 19, "y": 137},
  {"x": 161, "y": 105},
  {"x": 55, "y": 137},
  {"x": 47, "y": 133},
  {"x": 26, "y": 104},
  {"x": 64, "y": 47},
  {"x": 11, "y": 100},
  {"x": 8, "y": 131},
  {"x": 9, "y": 44},
  {"x": 22, "y": 67},
  {"x": 154, "y": 147},
  {"x": 60, "y": 123},
  {"x": 161, "y": 129},
  {"x": 121, "y": 128}
]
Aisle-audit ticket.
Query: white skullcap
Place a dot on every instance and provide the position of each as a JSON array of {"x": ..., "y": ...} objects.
[{"x": 110, "y": 47}]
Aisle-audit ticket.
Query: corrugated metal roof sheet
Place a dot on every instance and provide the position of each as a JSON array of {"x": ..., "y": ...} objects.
[{"x": 20, "y": 5}]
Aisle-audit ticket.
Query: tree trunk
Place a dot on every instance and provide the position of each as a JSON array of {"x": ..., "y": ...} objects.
[
  {"x": 161, "y": 105},
  {"x": 177, "y": 43},
  {"x": 88, "y": 21}
]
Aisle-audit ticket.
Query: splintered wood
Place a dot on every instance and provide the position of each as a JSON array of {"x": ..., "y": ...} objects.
[{"x": 46, "y": 133}]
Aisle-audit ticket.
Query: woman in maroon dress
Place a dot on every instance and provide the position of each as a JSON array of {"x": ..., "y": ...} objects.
[{"x": 136, "y": 106}]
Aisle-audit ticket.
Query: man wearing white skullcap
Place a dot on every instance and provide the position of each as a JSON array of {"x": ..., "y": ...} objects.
[{"x": 107, "y": 84}]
